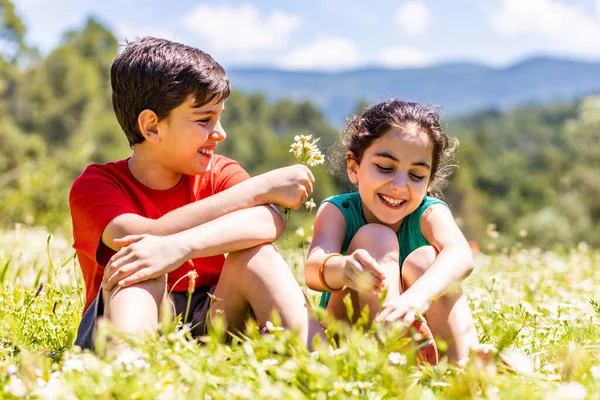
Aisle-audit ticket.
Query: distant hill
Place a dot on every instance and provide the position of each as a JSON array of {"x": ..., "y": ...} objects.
[{"x": 458, "y": 88}]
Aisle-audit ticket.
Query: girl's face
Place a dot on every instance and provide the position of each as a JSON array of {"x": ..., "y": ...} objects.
[{"x": 393, "y": 175}]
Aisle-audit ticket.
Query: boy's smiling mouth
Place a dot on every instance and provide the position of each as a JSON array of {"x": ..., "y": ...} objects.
[
  {"x": 390, "y": 201},
  {"x": 207, "y": 151}
]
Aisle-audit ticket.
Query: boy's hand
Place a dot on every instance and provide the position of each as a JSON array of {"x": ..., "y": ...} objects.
[
  {"x": 140, "y": 258},
  {"x": 362, "y": 273},
  {"x": 287, "y": 187}
]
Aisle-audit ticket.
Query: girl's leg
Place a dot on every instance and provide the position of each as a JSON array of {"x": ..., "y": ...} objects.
[
  {"x": 449, "y": 317},
  {"x": 259, "y": 279},
  {"x": 382, "y": 244}
]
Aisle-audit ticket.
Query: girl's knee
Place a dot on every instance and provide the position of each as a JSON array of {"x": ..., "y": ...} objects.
[
  {"x": 374, "y": 237},
  {"x": 417, "y": 262}
]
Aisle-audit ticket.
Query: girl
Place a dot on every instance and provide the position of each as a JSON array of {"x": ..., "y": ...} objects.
[{"x": 391, "y": 233}]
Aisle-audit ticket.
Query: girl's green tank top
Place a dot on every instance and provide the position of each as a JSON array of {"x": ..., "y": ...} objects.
[{"x": 410, "y": 236}]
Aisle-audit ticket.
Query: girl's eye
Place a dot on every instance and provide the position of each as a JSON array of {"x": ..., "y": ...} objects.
[
  {"x": 384, "y": 169},
  {"x": 417, "y": 177}
]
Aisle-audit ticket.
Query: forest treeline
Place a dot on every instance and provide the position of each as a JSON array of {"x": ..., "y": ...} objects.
[{"x": 533, "y": 171}]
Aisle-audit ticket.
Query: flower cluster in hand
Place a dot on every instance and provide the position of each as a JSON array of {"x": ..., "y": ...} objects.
[{"x": 306, "y": 151}]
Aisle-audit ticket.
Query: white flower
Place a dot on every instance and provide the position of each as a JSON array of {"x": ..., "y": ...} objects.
[
  {"x": 269, "y": 361},
  {"x": 16, "y": 387},
  {"x": 595, "y": 370},
  {"x": 11, "y": 370},
  {"x": 570, "y": 391},
  {"x": 270, "y": 327},
  {"x": 339, "y": 351},
  {"x": 73, "y": 364},
  {"x": 518, "y": 361},
  {"x": 132, "y": 360},
  {"x": 397, "y": 358}
]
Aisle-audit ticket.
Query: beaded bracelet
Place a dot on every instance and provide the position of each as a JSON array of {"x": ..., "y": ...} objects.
[{"x": 322, "y": 279}]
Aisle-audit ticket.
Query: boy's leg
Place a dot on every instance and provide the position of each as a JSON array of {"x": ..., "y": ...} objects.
[
  {"x": 259, "y": 279},
  {"x": 382, "y": 244},
  {"x": 449, "y": 317},
  {"x": 135, "y": 309}
]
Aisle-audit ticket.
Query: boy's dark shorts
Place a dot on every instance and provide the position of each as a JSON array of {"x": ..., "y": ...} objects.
[{"x": 199, "y": 307}]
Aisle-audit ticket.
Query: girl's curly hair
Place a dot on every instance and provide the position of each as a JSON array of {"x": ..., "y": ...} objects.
[{"x": 362, "y": 130}]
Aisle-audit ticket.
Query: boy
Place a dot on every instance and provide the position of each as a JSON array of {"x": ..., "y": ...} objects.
[{"x": 184, "y": 205}]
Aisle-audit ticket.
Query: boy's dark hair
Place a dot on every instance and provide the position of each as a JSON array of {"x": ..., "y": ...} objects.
[
  {"x": 159, "y": 75},
  {"x": 362, "y": 130}
]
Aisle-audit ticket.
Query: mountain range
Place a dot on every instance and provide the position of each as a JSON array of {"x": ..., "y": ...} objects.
[{"x": 457, "y": 88}]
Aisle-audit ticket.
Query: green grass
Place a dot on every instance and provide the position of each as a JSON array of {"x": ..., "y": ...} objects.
[{"x": 538, "y": 308}]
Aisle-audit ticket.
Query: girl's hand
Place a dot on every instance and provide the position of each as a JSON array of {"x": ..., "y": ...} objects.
[
  {"x": 403, "y": 308},
  {"x": 142, "y": 257},
  {"x": 362, "y": 273}
]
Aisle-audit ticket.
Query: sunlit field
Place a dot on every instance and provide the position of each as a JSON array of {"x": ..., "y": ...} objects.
[{"x": 537, "y": 309}]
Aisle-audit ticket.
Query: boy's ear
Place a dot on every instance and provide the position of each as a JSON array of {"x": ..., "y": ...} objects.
[
  {"x": 148, "y": 125},
  {"x": 352, "y": 167}
]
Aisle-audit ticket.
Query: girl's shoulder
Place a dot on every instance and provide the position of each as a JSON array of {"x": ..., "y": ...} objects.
[
  {"x": 412, "y": 224},
  {"x": 348, "y": 203},
  {"x": 427, "y": 202}
]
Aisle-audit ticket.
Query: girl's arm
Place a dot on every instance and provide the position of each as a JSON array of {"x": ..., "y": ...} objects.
[
  {"x": 358, "y": 271},
  {"x": 328, "y": 237},
  {"x": 455, "y": 259}
]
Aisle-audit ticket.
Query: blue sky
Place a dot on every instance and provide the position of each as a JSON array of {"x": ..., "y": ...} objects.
[{"x": 337, "y": 34}]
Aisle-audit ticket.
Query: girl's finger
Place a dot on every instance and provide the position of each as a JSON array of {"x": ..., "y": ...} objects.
[
  {"x": 371, "y": 265},
  {"x": 409, "y": 317},
  {"x": 355, "y": 266},
  {"x": 383, "y": 313}
]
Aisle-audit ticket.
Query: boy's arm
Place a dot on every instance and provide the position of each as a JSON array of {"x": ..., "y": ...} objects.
[
  {"x": 288, "y": 187},
  {"x": 144, "y": 257}
]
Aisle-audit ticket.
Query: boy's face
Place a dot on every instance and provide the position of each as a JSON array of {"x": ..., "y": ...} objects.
[{"x": 189, "y": 135}]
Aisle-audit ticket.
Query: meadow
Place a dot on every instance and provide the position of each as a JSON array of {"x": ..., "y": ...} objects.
[{"x": 538, "y": 309}]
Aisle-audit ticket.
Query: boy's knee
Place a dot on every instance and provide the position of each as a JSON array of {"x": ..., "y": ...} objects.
[
  {"x": 264, "y": 254},
  {"x": 417, "y": 262},
  {"x": 373, "y": 237},
  {"x": 156, "y": 288}
]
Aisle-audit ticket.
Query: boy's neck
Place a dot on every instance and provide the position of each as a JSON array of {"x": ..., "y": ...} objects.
[{"x": 151, "y": 173}]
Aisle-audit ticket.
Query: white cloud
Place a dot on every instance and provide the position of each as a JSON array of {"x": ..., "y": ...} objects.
[
  {"x": 327, "y": 53},
  {"x": 241, "y": 30},
  {"x": 568, "y": 27},
  {"x": 404, "y": 56},
  {"x": 413, "y": 17}
]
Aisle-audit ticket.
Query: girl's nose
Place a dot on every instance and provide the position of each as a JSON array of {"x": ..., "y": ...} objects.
[{"x": 399, "y": 182}]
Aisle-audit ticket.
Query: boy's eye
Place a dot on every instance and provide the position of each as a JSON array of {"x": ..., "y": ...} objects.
[
  {"x": 384, "y": 169},
  {"x": 203, "y": 121}
]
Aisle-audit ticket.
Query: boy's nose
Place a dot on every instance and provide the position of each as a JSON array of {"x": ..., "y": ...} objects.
[{"x": 218, "y": 134}]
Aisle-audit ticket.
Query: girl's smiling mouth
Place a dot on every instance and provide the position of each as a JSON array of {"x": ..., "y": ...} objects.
[{"x": 391, "y": 201}]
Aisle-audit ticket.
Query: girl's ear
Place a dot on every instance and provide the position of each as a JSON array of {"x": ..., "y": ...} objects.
[
  {"x": 352, "y": 168},
  {"x": 148, "y": 125}
]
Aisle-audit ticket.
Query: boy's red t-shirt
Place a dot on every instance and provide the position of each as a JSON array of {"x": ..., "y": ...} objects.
[{"x": 105, "y": 191}]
